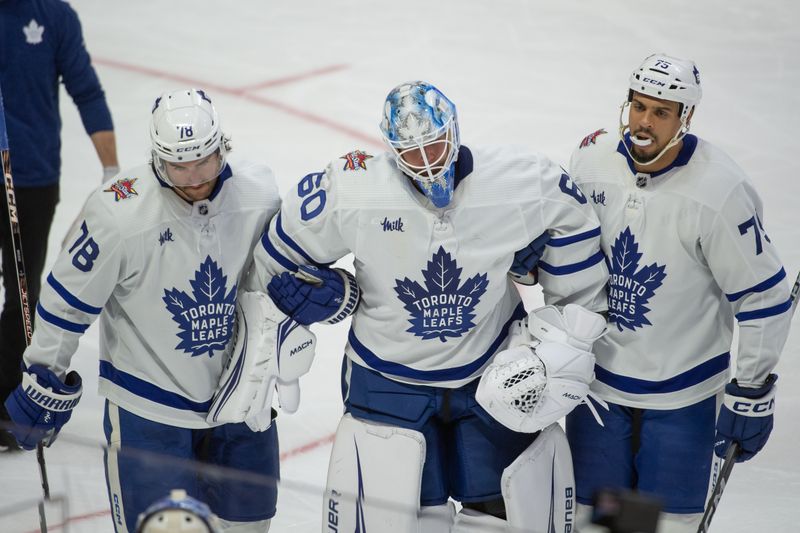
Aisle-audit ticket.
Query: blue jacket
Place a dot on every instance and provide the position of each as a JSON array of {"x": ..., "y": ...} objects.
[{"x": 41, "y": 43}]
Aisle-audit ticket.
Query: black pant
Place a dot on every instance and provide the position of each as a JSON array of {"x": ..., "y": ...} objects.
[{"x": 35, "y": 209}]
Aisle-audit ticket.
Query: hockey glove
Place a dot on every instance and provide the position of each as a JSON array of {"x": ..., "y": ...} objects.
[
  {"x": 523, "y": 268},
  {"x": 746, "y": 417},
  {"x": 41, "y": 405},
  {"x": 315, "y": 294}
]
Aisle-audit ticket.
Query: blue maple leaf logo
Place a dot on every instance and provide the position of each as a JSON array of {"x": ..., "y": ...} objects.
[
  {"x": 443, "y": 308},
  {"x": 629, "y": 289},
  {"x": 206, "y": 319}
]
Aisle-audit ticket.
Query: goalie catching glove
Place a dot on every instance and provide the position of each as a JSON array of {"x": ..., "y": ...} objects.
[
  {"x": 270, "y": 350},
  {"x": 545, "y": 372}
]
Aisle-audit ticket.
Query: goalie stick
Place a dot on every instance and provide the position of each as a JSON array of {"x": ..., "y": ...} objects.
[
  {"x": 734, "y": 449},
  {"x": 22, "y": 284}
]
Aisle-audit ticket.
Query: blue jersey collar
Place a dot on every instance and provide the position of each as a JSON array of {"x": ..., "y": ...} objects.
[
  {"x": 463, "y": 165},
  {"x": 687, "y": 150}
]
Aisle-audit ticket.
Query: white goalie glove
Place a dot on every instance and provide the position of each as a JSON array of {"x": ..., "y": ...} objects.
[
  {"x": 546, "y": 371},
  {"x": 270, "y": 351}
]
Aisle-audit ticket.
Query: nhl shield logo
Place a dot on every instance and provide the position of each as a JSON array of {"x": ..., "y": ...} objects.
[{"x": 442, "y": 308}]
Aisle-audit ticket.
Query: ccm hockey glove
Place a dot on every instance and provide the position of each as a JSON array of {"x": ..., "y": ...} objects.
[
  {"x": 315, "y": 294},
  {"x": 41, "y": 405},
  {"x": 746, "y": 417}
]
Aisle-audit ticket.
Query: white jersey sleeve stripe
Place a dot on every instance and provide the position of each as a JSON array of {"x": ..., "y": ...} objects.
[
  {"x": 764, "y": 313},
  {"x": 70, "y": 298},
  {"x": 145, "y": 389},
  {"x": 67, "y": 325},
  {"x": 564, "y": 270},
  {"x": 438, "y": 375},
  {"x": 276, "y": 256},
  {"x": 291, "y": 243},
  {"x": 693, "y": 376},
  {"x": 761, "y": 287},
  {"x": 571, "y": 239}
]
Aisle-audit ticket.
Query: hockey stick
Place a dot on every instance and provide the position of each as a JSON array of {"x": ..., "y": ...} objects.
[
  {"x": 734, "y": 449},
  {"x": 22, "y": 284}
]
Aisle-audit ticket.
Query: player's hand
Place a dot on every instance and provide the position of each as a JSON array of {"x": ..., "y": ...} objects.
[
  {"x": 315, "y": 294},
  {"x": 109, "y": 172},
  {"x": 746, "y": 417},
  {"x": 41, "y": 405},
  {"x": 523, "y": 268}
]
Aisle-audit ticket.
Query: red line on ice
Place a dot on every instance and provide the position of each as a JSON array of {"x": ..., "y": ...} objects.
[{"x": 243, "y": 92}]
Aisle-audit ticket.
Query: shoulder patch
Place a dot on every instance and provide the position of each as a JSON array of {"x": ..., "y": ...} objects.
[
  {"x": 592, "y": 138},
  {"x": 355, "y": 160},
  {"x": 123, "y": 189}
]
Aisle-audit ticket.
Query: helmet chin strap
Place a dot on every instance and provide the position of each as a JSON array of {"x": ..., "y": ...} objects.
[{"x": 625, "y": 128}]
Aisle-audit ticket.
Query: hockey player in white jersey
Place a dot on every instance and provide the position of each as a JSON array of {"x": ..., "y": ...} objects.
[
  {"x": 159, "y": 257},
  {"x": 433, "y": 227},
  {"x": 683, "y": 230}
]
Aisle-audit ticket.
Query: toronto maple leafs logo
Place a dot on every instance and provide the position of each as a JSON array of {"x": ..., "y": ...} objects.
[
  {"x": 442, "y": 308},
  {"x": 206, "y": 319},
  {"x": 33, "y": 32},
  {"x": 629, "y": 289}
]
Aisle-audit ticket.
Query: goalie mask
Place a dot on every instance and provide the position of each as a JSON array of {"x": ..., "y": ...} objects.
[
  {"x": 666, "y": 78},
  {"x": 185, "y": 128},
  {"x": 178, "y": 513},
  {"x": 420, "y": 127}
]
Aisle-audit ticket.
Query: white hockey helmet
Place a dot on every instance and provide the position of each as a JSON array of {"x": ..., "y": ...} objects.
[
  {"x": 415, "y": 115},
  {"x": 185, "y": 127},
  {"x": 667, "y": 78},
  {"x": 178, "y": 513}
]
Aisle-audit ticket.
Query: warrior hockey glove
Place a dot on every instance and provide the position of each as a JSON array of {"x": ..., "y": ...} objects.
[
  {"x": 523, "y": 268},
  {"x": 41, "y": 405},
  {"x": 746, "y": 417},
  {"x": 315, "y": 294}
]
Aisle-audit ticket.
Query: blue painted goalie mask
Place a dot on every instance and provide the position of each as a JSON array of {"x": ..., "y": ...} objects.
[{"x": 421, "y": 128}]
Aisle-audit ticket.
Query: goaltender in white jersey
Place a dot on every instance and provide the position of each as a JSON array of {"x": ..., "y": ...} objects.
[
  {"x": 421, "y": 296},
  {"x": 434, "y": 228}
]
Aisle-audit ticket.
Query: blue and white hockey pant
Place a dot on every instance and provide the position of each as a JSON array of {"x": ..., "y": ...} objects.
[
  {"x": 146, "y": 459},
  {"x": 668, "y": 454},
  {"x": 466, "y": 449}
]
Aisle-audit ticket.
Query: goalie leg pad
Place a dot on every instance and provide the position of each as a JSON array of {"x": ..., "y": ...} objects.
[
  {"x": 374, "y": 478},
  {"x": 539, "y": 486}
]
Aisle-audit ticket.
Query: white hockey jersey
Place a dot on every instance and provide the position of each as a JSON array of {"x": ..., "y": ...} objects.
[
  {"x": 687, "y": 253},
  {"x": 436, "y": 299},
  {"x": 163, "y": 275}
]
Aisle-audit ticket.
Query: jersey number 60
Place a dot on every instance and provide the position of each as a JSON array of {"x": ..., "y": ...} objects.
[{"x": 313, "y": 197}]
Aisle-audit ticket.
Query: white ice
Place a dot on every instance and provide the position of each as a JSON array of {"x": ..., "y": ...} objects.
[{"x": 300, "y": 83}]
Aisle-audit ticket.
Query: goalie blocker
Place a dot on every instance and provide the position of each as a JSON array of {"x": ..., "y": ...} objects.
[{"x": 270, "y": 351}]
